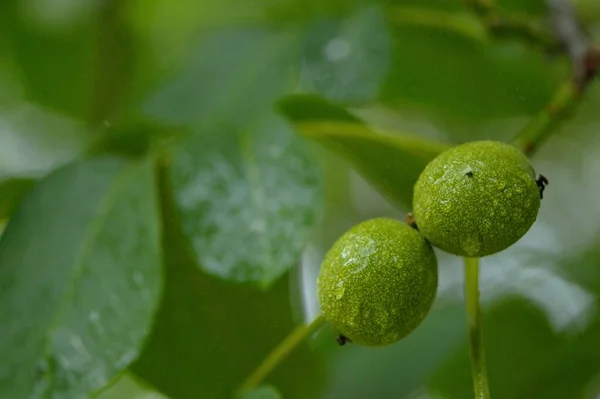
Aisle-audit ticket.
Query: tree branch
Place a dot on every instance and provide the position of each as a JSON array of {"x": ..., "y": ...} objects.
[
  {"x": 513, "y": 25},
  {"x": 585, "y": 58},
  {"x": 585, "y": 61},
  {"x": 278, "y": 354}
]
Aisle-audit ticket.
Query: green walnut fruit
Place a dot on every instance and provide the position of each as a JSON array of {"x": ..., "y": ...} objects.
[
  {"x": 378, "y": 282},
  {"x": 476, "y": 199}
]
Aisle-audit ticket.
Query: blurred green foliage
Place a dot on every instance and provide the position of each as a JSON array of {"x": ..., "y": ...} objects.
[{"x": 177, "y": 144}]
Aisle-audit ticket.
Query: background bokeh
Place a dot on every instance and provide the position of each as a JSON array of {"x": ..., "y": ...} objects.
[{"x": 191, "y": 114}]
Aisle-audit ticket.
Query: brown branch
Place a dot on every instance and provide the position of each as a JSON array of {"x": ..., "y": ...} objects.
[
  {"x": 585, "y": 58},
  {"x": 586, "y": 66},
  {"x": 513, "y": 25}
]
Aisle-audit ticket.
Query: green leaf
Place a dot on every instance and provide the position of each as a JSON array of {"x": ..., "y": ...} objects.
[
  {"x": 392, "y": 163},
  {"x": 11, "y": 193},
  {"x": 573, "y": 372},
  {"x": 235, "y": 74},
  {"x": 466, "y": 24},
  {"x": 211, "y": 334},
  {"x": 72, "y": 57},
  {"x": 574, "y": 367},
  {"x": 33, "y": 141},
  {"x": 347, "y": 60},
  {"x": 263, "y": 392},
  {"x": 53, "y": 48},
  {"x": 300, "y": 108},
  {"x": 248, "y": 199},
  {"x": 431, "y": 67},
  {"x": 79, "y": 279},
  {"x": 127, "y": 386}
]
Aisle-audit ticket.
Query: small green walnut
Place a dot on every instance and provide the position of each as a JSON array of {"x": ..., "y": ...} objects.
[
  {"x": 477, "y": 198},
  {"x": 378, "y": 282}
]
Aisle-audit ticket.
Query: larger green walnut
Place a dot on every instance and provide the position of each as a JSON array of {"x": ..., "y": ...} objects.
[
  {"x": 378, "y": 282},
  {"x": 476, "y": 199}
]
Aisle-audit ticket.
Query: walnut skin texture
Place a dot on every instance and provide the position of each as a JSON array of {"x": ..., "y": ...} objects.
[
  {"x": 378, "y": 282},
  {"x": 476, "y": 199}
]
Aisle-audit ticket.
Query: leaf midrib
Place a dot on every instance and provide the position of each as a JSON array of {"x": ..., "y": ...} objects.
[
  {"x": 257, "y": 194},
  {"x": 400, "y": 140},
  {"x": 93, "y": 229}
]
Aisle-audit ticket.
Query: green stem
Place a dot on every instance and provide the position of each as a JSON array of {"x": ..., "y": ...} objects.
[
  {"x": 480, "y": 380},
  {"x": 278, "y": 354},
  {"x": 113, "y": 65},
  {"x": 542, "y": 126}
]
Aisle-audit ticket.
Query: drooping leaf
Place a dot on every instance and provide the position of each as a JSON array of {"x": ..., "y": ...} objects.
[
  {"x": 392, "y": 163},
  {"x": 347, "y": 59},
  {"x": 11, "y": 193},
  {"x": 211, "y": 334},
  {"x": 236, "y": 74},
  {"x": 248, "y": 199},
  {"x": 79, "y": 279}
]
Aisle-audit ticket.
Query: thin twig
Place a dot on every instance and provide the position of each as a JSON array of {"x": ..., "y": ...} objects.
[
  {"x": 567, "y": 29},
  {"x": 585, "y": 58},
  {"x": 478, "y": 368},
  {"x": 586, "y": 66},
  {"x": 513, "y": 25},
  {"x": 278, "y": 354},
  {"x": 531, "y": 137}
]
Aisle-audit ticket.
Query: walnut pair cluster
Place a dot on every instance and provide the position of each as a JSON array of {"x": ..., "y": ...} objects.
[{"x": 379, "y": 280}]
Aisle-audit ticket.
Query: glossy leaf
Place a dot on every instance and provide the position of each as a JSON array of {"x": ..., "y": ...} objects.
[
  {"x": 392, "y": 163},
  {"x": 79, "y": 279},
  {"x": 235, "y": 74},
  {"x": 211, "y": 334},
  {"x": 347, "y": 60},
  {"x": 248, "y": 199}
]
